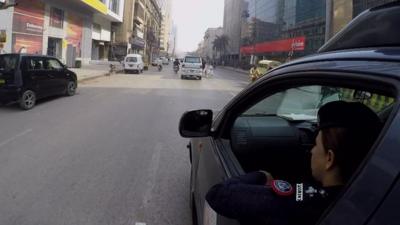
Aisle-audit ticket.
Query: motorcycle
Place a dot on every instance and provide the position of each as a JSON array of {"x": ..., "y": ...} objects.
[{"x": 176, "y": 69}]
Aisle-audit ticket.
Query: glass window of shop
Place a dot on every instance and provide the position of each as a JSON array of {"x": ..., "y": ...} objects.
[
  {"x": 114, "y": 6},
  {"x": 282, "y": 29},
  {"x": 56, "y": 17}
]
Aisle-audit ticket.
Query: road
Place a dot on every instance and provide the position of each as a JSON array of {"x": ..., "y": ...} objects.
[{"x": 109, "y": 155}]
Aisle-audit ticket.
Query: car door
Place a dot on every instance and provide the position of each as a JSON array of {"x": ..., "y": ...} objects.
[
  {"x": 216, "y": 160},
  {"x": 39, "y": 79},
  {"x": 57, "y": 75}
]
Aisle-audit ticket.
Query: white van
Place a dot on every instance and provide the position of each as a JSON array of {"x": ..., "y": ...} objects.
[
  {"x": 133, "y": 63},
  {"x": 192, "y": 67}
]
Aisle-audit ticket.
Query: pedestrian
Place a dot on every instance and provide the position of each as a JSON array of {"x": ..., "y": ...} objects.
[
  {"x": 210, "y": 72},
  {"x": 346, "y": 133},
  {"x": 2, "y": 51},
  {"x": 203, "y": 66}
]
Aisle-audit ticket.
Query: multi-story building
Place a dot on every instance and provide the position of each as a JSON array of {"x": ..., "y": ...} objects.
[
  {"x": 140, "y": 30},
  {"x": 231, "y": 27},
  {"x": 57, "y": 28},
  {"x": 210, "y": 35},
  {"x": 286, "y": 29},
  {"x": 166, "y": 28}
]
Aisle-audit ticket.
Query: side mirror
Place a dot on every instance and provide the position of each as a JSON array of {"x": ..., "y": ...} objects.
[{"x": 196, "y": 123}]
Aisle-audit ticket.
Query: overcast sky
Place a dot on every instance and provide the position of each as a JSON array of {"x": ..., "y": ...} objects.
[{"x": 193, "y": 17}]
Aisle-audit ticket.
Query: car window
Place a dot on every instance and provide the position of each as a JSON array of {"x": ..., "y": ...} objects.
[
  {"x": 8, "y": 62},
  {"x": 303, "y": 103},
  {"x": 34, "y": 63},
  {"x": 192, "y": 60},
  {"x": 131, "y": 59},
  {"x": 52, "y": 64}
]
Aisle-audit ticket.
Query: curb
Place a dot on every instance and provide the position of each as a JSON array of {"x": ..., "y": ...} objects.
[
  {"x": 236, "y": 70},
  {"x": 97, "y": 76}
]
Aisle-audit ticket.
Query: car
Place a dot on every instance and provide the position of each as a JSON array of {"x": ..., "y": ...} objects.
[
  {"x": 156, "y": 62},
  {"x": 263, "y": 67},
  {"x": 133, "y": 62},
  {"x": 192, "y": 67},
  {"x": 26, "y": 78},
  {"x": 165, "y": 61},
  {"x": 272, "y": 123}
]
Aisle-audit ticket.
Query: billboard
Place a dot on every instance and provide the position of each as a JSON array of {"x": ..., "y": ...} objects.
[
  {"x": 28, "y": 26},
  {"x": 74, "y": 32},
  {"x": 286, "y": 45}
]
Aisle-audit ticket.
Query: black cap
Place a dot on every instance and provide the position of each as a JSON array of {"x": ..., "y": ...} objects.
[{"x": 354, "y": 115}]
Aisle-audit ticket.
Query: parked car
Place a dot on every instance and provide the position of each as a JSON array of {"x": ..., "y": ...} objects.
[
  {"x": 271, "y": 124},
  {"x": 191, "y": 67},
  {"x": 263, "y": 66},
  {"x": 26, "y": 78},
  {"x": 156, "y": 62},
  {"x": 133, "y": 62}
]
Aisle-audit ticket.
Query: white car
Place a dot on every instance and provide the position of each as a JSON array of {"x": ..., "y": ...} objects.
[
  {"x": 133, "y": 63},
  {"x": 192, "y": 67},
  {"x": 165, "y": 61}
]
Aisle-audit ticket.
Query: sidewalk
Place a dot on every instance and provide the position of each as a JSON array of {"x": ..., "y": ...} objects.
[
  {"x": 238, "y": 70},
  {"x": 94, "y": 70}
]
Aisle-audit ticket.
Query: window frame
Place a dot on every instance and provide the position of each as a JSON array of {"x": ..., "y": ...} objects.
[{"x": 277, "y": 81}]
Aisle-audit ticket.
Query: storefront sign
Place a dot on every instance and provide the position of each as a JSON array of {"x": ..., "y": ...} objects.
[
  {"x": 74, "y": 32},
  {"x": 287, "y": 45},
  {"x": 28, "y": 27},
  {"x": 137, "y": 42}
]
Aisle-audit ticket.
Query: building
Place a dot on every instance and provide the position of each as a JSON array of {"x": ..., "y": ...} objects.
[
  {"x": 231, "y": 27},
  {"x": 56, "y": 28},
  {"x": 166, "y": 28},
  {"x": 210, "y": 35},
  {"x": 140, "y": 31},
  {"x": 285, "y": 29}
]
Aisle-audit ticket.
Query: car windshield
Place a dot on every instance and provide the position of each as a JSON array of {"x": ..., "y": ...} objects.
[
  {"x": 131, "y": 59},
  {"x": 8, "y": 62},
  {"x": 303, "y": 103},
  {"x": 192, "y": 60}
]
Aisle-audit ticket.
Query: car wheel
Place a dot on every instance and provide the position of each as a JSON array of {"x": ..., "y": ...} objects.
[
  {"x": 125, "y": 71},
  {"x": 27, "y": 100},
  {"x": 71, "y": 88},
  {"x": 199, "y": 77},
  {"x": 182, "y": 77}
]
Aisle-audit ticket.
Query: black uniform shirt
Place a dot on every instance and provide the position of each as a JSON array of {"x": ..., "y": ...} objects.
[{"x": 248, "y": 199}]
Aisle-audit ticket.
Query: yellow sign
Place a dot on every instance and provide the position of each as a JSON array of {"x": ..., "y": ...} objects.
[
  {"x": 97, "y": 5},
  {"x": 3, "y": 36}
]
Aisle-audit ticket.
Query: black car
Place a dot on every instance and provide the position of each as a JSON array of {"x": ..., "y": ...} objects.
[
  {"x": 26, "y": 78},
  {"x": 271, "y": 125}
]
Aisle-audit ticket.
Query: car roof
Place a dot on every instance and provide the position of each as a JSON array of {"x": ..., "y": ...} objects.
[
  {"x": 133, "y": 55},
  {"x": 375, "y": 27},
  {"x": 370, "y": 60}
]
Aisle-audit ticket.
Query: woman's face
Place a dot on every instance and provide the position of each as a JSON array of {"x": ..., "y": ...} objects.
[{"x": 319, "y": 159}]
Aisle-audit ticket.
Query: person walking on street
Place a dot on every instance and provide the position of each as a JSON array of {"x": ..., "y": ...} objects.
[{"x": 203, "y": 66}]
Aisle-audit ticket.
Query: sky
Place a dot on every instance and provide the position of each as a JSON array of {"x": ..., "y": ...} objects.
[{"x": 192, "y": 18}]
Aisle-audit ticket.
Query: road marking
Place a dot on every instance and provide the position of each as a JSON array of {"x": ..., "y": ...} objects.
[
  {"x": 5, "y": 142},
  {"x": 233, "y": 94},
  {"x": 140, "y": 223}
]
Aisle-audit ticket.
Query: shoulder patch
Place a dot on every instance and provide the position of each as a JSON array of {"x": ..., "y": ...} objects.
[{"x": 282, "y": 188}]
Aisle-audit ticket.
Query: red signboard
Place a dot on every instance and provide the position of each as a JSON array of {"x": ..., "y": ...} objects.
[
  {"x": 28, "y": 27},
  {"x": 287, "y": 45}
]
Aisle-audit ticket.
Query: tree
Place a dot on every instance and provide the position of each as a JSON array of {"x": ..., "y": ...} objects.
[{"x": 220, "y": 44}]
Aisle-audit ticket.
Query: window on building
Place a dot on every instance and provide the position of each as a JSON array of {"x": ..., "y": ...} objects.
[
  {"x": 56, "y": 17},
  {"x": 114, "y": 6}
]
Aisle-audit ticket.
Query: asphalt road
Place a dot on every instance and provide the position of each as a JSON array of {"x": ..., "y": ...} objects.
[{"x": 109, "y": 155}]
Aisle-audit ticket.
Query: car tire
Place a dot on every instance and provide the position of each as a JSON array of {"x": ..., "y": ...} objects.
[
  {"x": 182, "y": 77},
  {"x": 27, "y": 100},
  {"x": 199, "y": 77},
  {"x": 71, "y": 88}
]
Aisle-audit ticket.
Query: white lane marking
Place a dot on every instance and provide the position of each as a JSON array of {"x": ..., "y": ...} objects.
[
  {"x": 233, "y": 94},
  {"x": 140, "y": 223},
  {"x": 152, "y": 174},
  {"x": 5, "y": 142}
]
